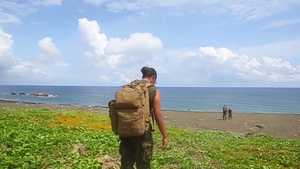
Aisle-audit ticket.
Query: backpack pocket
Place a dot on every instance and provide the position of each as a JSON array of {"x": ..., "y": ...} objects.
[
  {"x": 131, "y": 122},
  {"x": 128, "y": 99},
  {"x": 113, "y": 116}
]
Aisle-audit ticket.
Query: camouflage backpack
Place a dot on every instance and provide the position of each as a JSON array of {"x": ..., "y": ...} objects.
[{"x": 130, "y": 110}]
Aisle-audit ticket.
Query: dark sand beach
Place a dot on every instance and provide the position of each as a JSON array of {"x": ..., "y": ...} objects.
[{"x": 276, "y": 125}]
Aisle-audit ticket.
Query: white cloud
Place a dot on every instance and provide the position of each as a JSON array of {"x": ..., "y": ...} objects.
[
  {"x": 277, "y": 63},
  {"x": 221, "y": 55},
  {"x": 104, "y": 78},
  {"x": 114, "y": 60},
  {"x": 62, "y": 64},
  {"x": 281, "y": 23},
  {"x": 49, "y": 54},
  {"x": 96, "y": 2},
  {"x": 14, "y": 7},
  {"x": 250, "y": 10},
  {"x": 90, "y": 32},
  {"x": 21, "y": 69},
  {"x": 11, "y": 10},
  {"x": 185, "y": 55},
  {"x": 288, "y": 50},
  {"x": 49, "y": 47},
  {"x": 6, "y": 58},
  {"x": 12, "y": 67},
  {"x": 175, "y": 3},
  {"x": 120, "y": 58},
  {"x": 7, "y": 18},
  {"x": 118, "y": 55},
  {"x": 116, "y": 6},
  {"x": 137, "y": 43},
  {"x": 246, "y": 69},
  {"x": 46, "y": 2},
  {"x": 280, "y": 70},
  {"x": 245, "y": 64}
]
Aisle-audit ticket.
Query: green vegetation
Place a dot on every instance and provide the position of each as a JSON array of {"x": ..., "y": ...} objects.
[{"x": 44, "y": 138}]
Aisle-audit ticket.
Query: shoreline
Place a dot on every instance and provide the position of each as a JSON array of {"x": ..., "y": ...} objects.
[
  {"x": 106, "y": 107},
  {"x": 279, "y": 125}
]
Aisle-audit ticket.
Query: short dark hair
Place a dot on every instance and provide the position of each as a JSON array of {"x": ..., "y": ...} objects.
[{"x": 148, "y": 71}]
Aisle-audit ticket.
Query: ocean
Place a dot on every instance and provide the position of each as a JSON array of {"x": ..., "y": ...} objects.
[{"x": 211, "y": 99}]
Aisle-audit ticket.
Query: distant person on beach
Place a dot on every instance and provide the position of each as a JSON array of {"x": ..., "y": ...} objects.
[
  {"x": 225, "y": 109},
  {"x": 139, "y": 149},
  {"x": 229, "y": 114}
]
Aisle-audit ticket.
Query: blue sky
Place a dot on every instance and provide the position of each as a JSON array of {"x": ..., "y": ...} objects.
[{"x": 232, "y": 43}]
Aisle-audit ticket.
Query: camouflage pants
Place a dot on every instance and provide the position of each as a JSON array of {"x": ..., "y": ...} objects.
[{"x": 136, "y": 150}]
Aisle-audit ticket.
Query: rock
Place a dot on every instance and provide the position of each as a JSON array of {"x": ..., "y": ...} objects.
[
  {"x": 40, "y": 94},
  {"x": 260, "y": 126},
  {"x": 249, "y": 134}
]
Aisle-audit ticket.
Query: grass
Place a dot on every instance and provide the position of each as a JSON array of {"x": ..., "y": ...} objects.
[{"x": 47, "y": 139}]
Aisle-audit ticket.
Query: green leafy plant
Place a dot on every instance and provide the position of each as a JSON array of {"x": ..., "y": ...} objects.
[{"x": 44, "y": 138}]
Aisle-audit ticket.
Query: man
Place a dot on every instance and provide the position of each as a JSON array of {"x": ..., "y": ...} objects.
[
  {"x": 138, "y": 149},
  {"x": 229, "y": 114},
  {"x": 225, "y": 109}
]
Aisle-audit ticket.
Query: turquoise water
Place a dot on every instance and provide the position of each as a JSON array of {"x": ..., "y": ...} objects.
[{"x": 243, "y": 100}]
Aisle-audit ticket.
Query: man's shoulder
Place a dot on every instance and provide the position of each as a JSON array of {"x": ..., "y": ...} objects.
[{"x": 152, "y": 87}]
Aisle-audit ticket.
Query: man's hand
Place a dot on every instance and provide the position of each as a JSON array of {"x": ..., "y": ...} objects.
[{"x": 164, "y": 143}]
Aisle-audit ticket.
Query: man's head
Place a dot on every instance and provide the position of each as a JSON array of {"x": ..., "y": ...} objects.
[{"x": 150, "y": 73}]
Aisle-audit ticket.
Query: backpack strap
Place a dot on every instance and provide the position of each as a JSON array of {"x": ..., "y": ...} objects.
[{"x": 148, "y": 84}]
